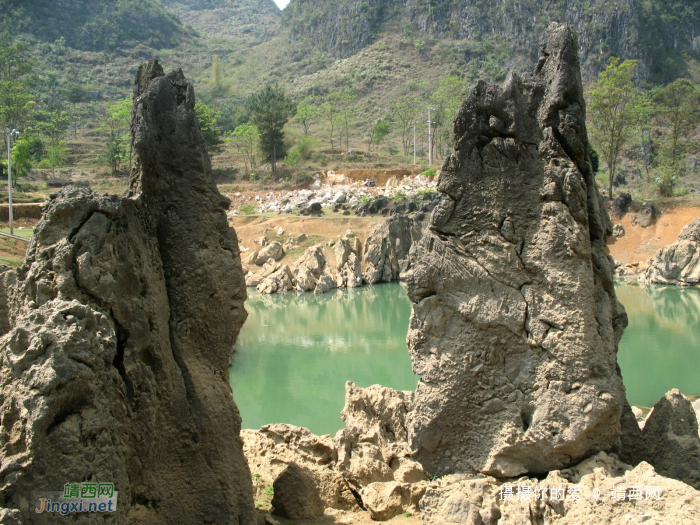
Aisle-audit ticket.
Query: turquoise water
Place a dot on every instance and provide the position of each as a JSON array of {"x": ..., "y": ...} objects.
[{"x": 296, "y": 352}]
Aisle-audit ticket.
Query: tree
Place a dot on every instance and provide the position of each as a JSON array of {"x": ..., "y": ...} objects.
[
  {"x": 208, "y": 118},
  {"x": 270, "y": 109},
  {"x": 446, "y": 100},
  {"x": 75, "y": 94},
  {"x": 116, "y": 125},
  {"x": 218, "y": 86},
  {"x": 16, "y": 101},
  {"x": 377, "y": 134},
  {"x": 612, "y": 114},
  {"x": 330, "y": 113},
  {"x": 344, "y": 102},
  {"x": 21, "y": 158},
  {"x": 245, "y": 137},
  {"x": 53, "y": 122},
  {"x": 306, "y": 115},
  {"x": 678, "y": 109},
  {"x": 404, "y": 114}
]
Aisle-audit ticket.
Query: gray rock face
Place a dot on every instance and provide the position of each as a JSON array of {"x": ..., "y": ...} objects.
[
  {"x": 296, "y": 496},
  {"x": 678, "y": 263},
  {"x": 347, "y": 265},
  {"x": 123, "y": 319},
  {"x": 386, "y": 249},
  {"x": 273, "y": 250},
  {"x": 515, "y": 323},
  {"x": 669, "y": 440}
]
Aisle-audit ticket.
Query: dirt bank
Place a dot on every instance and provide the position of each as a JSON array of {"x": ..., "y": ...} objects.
[{"x": 640, "y": 244}]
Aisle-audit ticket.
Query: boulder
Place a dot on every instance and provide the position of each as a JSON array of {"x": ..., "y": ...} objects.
[
  {"x": 348, "y": 269},
  {"x": 325, "y": 283},
  {"x": 278, "y": 281},
  {"x": 620, "y": 205},
  {"x": 389, "y": 499},
  {"x": 274, "y": 251},
  {"x": 599, "y": 491},
  {"x": 618, "y": 231},
  {"x": 273, "y": 447},
  {"x": 678, "y": 263},
  {"x": 250, "y": 258},
  {"x": 386, "y": 249},
  {"x": 124, "y": 313},
  {"x": 515, "y": 323},
  {"x": 296, "y": 495},
  {"x": 373, "y": 445},
  {"x": 670, "y": 441},
  {"x": 646, "y": 216},
  {"x": 262, "y": 241}
]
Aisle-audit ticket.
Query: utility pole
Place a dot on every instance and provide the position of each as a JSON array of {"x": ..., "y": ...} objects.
[
  {"x": 9, "y": 134},
  {"x": 430, "y": 138}
]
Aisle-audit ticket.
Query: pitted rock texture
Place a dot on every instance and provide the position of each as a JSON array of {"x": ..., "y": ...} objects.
[
  {"x": 387, "y": 247},
  {"x": 122, "y": 321},
  {"x": 678, "y": 263},
  {"x": 515, "y": 323},
  {"x": 625, "y": 495}
]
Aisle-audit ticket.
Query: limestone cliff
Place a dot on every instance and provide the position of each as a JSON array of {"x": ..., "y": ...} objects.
[
  {"x": 515, "y": 323},
  {"x": 122, "y": 321}
]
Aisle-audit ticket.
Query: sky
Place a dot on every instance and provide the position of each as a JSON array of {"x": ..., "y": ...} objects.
[{"x": 281, "y": 3}]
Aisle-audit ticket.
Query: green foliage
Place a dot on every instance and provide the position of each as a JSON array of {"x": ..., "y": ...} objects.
[
  {"x": 16, "y": 100},
  {"x": 52, "y": 122},
  {"x": 595, "y": 159},
  {"x": 248, "y": 209},
  {"x": 116, "y": 124},
  {"x": 218, "y": 87},
  {"x": 56, "y": 156},
  {"x": 245, "y": 138},
  {"x": 428, "y": 173},
  {"x": 680, "y": 192},
  {"x": 678, "y": 110},
  {"x": 21, "y": 158},
  {"x": 612, "y": 112},
  {"x": 302, "y": 150},
  {"x": 666, "y": 181},
  {"x": 307, "y": 114},
  {"x": 208, "y": 118},
  {"x": 270, "y": 109}
]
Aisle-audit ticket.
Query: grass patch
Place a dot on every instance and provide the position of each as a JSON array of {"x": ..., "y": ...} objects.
[{"x": 24, "y": 232}]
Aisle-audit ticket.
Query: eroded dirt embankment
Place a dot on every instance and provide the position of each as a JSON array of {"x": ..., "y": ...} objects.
[{"x": 639, "y": 244}]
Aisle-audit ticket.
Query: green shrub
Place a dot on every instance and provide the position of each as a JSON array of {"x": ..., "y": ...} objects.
[
  {"x": 248, "y": 209},
  {"x": 428, "y": 173},
  {"x": 293, "y": 157},
  {"x": 681, "y": 191}
]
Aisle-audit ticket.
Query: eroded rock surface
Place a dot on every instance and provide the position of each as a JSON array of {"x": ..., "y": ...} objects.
[
  {"x": 515, "y": 322},
  {"x": 123, "y": 318},
  {"x": 625, "y": 496},
  {"x": 678, "y": 263},
  {"x": 386, "y": 249}
]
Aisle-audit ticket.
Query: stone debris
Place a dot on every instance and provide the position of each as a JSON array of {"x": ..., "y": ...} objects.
[
  {"x": 273, "y": 250},
  {"x": 123, "y": 316},
  {"x": 678, "y": 263},
  {"x": 618, "y": 231},
  {"x": 515, "y": 322}
]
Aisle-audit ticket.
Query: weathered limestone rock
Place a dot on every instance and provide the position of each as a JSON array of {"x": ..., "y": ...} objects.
[
  {"x": 373, "y": 445},
  {"x": 325, "y": 283},
  {"x": 8, "y": 279},
  {"x": 670, "y": 441},
  {"x": 273, "y": 250},
  {"x": 696, "y": 407},
  {"x": 279, "y": 281},
  {"x": 386, "y": 249},
  {"x": 270, "y": 449},
  {"x": 309, "y": 268},
  {"x": 618, "y": 231},
  {"x": 678, "y": 263},
  {"x": 515, "y": 322},
  {"x": 269, "y": 268},
  {"x": 348, "y": 270},
  {"x": 646, "y": 216},
  {"x": 620, "y": 205},
  {"x": 295, "y": 494},
  {"x": 625, "y": 496},
  {"x": 124, "y": 314}
]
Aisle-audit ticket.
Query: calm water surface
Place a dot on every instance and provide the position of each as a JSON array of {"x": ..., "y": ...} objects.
[{"x": 296, "y": 352}]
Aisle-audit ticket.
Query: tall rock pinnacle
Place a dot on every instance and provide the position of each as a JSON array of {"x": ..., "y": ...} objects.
[
  {"x": 123, "y": 318},
  {"x": 515, "y": 322}
]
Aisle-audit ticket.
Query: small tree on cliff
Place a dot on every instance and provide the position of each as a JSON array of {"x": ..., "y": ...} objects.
[
  {"x": 612, "y": 114},
  {"x": 269, "y": 110}
]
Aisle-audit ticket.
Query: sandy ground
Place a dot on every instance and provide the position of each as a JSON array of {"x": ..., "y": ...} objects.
[
  {"x": 641, "y": 244},
  {"x": 349, "y": 518}
]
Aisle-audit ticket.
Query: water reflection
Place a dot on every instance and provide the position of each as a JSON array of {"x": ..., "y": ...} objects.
[
  {"x": 660, "y": 349},
  {"x": 296, "y": 352}
]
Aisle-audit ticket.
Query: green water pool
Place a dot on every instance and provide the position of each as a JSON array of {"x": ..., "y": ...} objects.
[{"x": 295, "y": 352}]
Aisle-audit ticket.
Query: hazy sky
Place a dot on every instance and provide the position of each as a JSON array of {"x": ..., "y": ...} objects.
[{"x": 281, "y": 3}]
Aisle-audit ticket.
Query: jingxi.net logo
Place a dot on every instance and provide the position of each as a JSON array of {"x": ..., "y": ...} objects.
[{"x": 80, "y": 497}]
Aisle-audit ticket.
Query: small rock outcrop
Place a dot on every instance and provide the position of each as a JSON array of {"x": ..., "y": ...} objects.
[
  {"x": 669, "y": 440},
  {"x": 386, "y": 249},
  {"x": 347, "y": 265},
  {"x": 123, "y": 317},
  {"x": 620, "y": 205},
  {"x": 273, "y": 250},
  {"x": 515, "y": 322},
  {"x": 598, "y": 491},
  {"x": 678, "y": 263}
]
